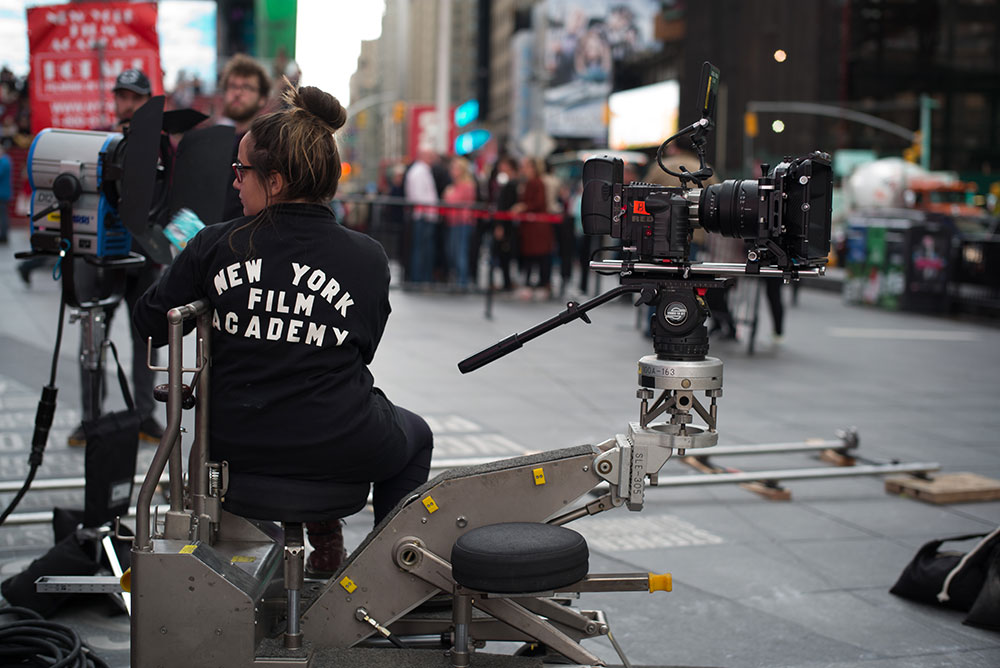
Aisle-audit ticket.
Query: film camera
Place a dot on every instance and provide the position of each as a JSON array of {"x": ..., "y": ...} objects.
[{"x": 783, "y": 216}]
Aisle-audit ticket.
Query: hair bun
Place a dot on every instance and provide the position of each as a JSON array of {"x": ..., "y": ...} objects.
[{"x": 320, "y": 104}]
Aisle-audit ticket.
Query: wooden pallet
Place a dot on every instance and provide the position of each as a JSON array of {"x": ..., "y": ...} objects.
[{"x": 945, "y": 487}]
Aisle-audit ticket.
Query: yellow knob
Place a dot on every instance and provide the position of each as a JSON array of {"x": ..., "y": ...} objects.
[
  {"x": 126, "y": 581},
  {"x": 662, "y": 582}
]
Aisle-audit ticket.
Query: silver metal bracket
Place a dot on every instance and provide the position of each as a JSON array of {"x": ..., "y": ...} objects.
[{"x": 218, "y": 478}]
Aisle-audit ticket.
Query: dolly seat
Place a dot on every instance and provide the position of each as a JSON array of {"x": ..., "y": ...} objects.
[
  {"x": 293, "y": 503},
  {"x": 276, "y": 499}
]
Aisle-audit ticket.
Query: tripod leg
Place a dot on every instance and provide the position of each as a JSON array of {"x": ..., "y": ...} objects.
[{"x": 93, "y": 332}]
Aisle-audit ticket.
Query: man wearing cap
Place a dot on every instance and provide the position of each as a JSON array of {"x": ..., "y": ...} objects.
[{"x": 131, "y": 91}]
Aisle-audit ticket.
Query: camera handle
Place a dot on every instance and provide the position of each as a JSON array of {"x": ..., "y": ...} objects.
[
  {"x": 573, "y": 311},
  {"x": 679, "y": 318},
  {"x": 699, "y": 136}
]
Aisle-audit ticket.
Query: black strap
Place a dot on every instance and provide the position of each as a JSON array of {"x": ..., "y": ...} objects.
[{"x": 121, "y": 376}]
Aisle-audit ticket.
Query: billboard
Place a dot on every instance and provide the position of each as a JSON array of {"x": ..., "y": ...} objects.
[
  {"x": 584, "y": 41},
  {"x": 643, "y": 117},
  {"x": 425, "y": 129},
  {"x": 78, "y": 50}
]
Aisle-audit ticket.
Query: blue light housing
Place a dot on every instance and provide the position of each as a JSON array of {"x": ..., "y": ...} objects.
[{"x": 467, "y": 142}]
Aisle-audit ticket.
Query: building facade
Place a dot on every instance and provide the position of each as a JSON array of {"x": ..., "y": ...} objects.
[{"x": 914, "y": 63}]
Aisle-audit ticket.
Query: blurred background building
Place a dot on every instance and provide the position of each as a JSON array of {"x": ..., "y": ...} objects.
[
  {"x": 908, "y": 89},
  {"x": 918, "y": 64}
]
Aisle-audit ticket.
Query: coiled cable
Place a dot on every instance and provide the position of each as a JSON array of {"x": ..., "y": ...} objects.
[{"x": 33, "y": 641}]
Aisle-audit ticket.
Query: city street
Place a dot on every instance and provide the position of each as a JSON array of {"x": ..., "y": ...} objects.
[{"x": 757, "y": 582}]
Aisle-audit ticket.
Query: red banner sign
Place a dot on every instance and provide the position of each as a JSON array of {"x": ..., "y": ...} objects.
[
  {"x": 425, "y": 129},
  {"x": 77, "y": 52}
]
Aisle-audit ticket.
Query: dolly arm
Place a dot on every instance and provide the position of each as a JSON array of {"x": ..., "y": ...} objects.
[{"x": 534, "y": 488}]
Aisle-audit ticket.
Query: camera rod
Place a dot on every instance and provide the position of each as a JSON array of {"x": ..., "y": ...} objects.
[{"x": 710, "y": 268}]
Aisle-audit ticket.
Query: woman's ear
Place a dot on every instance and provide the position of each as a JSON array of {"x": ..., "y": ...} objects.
[{"x": 275, "y": 184}]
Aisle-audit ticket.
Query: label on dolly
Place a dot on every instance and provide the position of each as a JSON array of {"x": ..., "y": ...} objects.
[
  {"x": 539, "y": 474},
  {"x": 348, "y": 584},
  {"x": 429, "y": 504}
]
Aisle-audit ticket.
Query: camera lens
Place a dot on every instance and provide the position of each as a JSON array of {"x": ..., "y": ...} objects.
[{"x": 730, "y": 208}]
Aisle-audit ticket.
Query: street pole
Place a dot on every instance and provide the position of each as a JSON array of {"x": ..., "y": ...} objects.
[
  {"x": 443, "y": 74},
  {"x": 927, "y": 103}
]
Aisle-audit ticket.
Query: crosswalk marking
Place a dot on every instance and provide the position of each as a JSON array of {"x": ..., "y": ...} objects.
[{"x": 642, "y": 532}]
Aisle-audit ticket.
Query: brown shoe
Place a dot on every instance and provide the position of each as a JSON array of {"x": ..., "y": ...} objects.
[
  {"x": 327, "y": 539},
  {"x": 78, "y": 439}
]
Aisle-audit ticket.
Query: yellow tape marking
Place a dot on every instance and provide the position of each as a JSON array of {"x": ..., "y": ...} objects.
[
  {"x": 348, "y": 584},
  {"x": 662, "y": 582},
  {"x": 238, "y": 559},
  {"x": 539, "y": 476},
  {"x": 188, "y": 549},
  {"x": 430, "y": 505}
]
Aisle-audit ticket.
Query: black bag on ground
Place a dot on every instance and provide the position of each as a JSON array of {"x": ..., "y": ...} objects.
[
  {"x": 949, "y": 578},
  {"x": 76, "y": 554},
  {"x": 985, "y": 612},
  {"x": 112, "y": 448}
]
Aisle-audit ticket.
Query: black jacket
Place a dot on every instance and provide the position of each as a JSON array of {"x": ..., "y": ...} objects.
[{"x": 299, "y": 306}]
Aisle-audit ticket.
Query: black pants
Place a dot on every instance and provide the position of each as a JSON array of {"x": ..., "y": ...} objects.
[
  {"x": 503, "y": 253},
  {"x": 419, "y": 446},
  {"x": 543, "y": 265}
]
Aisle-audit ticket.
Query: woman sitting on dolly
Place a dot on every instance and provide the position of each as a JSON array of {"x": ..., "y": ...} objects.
[{"x": 299, "y": 304}]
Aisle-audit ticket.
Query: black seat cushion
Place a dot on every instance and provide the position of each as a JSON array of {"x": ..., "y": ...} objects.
[
  {"x": 515, "y": 557},
  {"x": 261, "y": 497}
]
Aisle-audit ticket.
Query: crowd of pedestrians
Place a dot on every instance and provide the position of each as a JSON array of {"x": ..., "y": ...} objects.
[{"x": 447, "y": 218}]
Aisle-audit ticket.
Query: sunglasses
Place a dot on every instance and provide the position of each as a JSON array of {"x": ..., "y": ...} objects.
[{"x": 238, "y": 169}]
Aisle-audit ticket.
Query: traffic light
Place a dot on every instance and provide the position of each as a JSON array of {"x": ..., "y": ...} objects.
[
  {"x": 912, "y": 152},
  {"x": 398, "y": 112}
]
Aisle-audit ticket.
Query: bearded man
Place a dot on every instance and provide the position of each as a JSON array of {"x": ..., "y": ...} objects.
[{"x": 245, "y": 89}]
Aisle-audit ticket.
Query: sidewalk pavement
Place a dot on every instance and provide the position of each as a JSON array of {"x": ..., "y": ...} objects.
[{"x": 799, "y": 583}]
